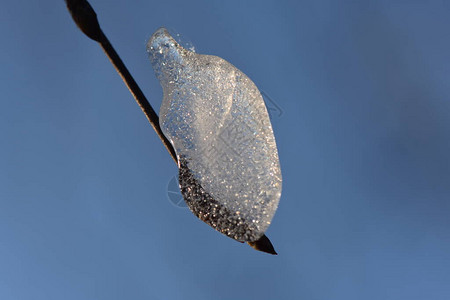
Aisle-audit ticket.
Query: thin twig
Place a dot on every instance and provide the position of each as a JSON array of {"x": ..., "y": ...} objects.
[{"x": 86, "y": 19}]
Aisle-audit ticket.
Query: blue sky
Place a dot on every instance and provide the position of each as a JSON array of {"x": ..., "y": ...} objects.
[{"x": 363, "y": 139}]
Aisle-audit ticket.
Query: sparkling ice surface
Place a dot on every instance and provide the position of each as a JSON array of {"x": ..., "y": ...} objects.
[{"x": 216, "y": 120}]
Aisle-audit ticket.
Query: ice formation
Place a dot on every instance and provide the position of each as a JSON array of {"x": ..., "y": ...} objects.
[{"x": 216, "y": 120}]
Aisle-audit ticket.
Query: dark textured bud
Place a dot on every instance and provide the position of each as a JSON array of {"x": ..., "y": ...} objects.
[{"x": 85, "y": 17}]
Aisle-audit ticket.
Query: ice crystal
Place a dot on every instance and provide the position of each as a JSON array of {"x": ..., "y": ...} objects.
[{"x": 216, "y": 120}]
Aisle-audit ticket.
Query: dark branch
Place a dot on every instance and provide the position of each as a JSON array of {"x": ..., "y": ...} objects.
[
  {"x": 86, "y": 19},
  {"x": 136, "y": 92}
]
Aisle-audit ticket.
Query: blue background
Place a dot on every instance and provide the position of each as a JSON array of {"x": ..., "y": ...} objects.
[{"x": 364, "y": 143}]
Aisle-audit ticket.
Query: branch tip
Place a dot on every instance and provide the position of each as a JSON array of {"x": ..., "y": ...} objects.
[
  {"x": 85, "y": 17},
  {"x": 264, "y": 245}
]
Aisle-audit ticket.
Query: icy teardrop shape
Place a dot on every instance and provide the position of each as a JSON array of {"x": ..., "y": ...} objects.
[{"x": 216, "y": 120}]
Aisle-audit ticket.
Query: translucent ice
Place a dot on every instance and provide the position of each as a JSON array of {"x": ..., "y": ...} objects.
[{"x": 216, "y": 120}]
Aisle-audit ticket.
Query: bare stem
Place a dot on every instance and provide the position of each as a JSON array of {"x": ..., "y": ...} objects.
[
  {"x": 136, "y": 92},
  {"x": 86, "y": 19}
]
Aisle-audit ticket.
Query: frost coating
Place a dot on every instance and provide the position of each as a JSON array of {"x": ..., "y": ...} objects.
[{"x": 216, "y": 120}]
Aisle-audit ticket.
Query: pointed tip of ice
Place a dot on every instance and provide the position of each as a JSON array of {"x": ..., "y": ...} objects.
[
  {"x": 161, "y": 31},
  {"x": 160, "y": 37}
]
